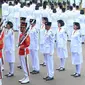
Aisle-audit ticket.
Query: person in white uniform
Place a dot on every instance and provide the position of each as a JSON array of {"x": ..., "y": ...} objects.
[
  {"x": 71, "y": 18},
  {"x": 76, "y": 49},
  {"x": 54, "y": 18},
  {"x": 11, "y": 12},
  {"x": 10, "y": 48},
  {"x": 49, "y": 51},
  {"x": 5, "y": 12},
  {"x": 41, "y": 39},
  {"x": 37, "y": 16},
  {"x": 61, "y": 43},
  {"x": 81, "y": 19},
  {"x": 16, "y": 16},
  {"x": 34, "y": 47}
]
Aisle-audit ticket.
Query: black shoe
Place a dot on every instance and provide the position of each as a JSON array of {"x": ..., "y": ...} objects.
[
  {"x": 45, "y": 77},
  {"x": 73, "y": 74},
  {"x": 43, "y": 64},
  {"x": 69, "y": 40},
  {"x": 34, "y": 72},
  {"x": 19, "y": 67},
  {"x": 82, "y": 42},
  {"x": 77, "y": 75},
  {"x": 61, "y": 69},
  {"x": 49, "y": 78},
  {"x": 10, "y": 75}
]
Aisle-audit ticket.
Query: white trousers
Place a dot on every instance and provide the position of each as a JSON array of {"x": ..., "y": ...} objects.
[
  {"x": 24, "y": 64},
  {"x": 35, "y": 59},
  {"x": 50, "y": 65}
]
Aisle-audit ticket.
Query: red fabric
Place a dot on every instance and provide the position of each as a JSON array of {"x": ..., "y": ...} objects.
[
  {"x": 24, "y": 46},
  {"x": 1, "y": 43}
]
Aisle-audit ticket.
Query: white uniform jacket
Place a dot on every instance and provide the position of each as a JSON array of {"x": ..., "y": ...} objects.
[
  {"x": 33, "y": 33},
  {"x": 76, "y": 40},
  {"x": 5, "y": 9},
  {"x": 61, "y": 38},
  {"x": 49, "y": 42},
  {"x": 9, "y": 45}
]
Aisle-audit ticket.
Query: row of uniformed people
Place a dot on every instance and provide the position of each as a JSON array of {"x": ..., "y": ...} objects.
[
  {"x": 15, "y": 12},
  {"x": 47, "y": 48}
]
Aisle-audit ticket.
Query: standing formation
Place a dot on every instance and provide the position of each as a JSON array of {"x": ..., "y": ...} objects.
[{"x": 40, "y": 27}]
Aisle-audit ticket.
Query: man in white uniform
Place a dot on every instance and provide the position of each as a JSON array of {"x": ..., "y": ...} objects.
[
  {"x": 5, "y": 12},
  {"x": 11, "y": 12},
  {"x": 49, "y": 51},
  {"x": 16, "y": 16},
  {"x": 34, "y": 47}
]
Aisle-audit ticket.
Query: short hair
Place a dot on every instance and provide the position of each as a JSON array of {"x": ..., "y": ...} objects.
[
  {"x": 74, "y": 5},
  {"x": 28, "y": 4},
  {"x": 77, "y": 24},
  {"x": 61, "y": 22},
  {"x": 70, "y": 8},
  {"x": 63, "y": 9},
  {"x": 44, "y": 6},
  {"x": 45, "y": 18},
  {"x": 81, "y": 11},
  {"x": 10, "y": 3},
  {"x": 77, "y": 7},
  {"x": 16, "y": 2},
  {"x": 36, "y": 7},
  {"x": 54, "y": 10},
  {"x": 10, "y": 24},
  {"x": 22, "y": 5},
  {"x": 64, "y": 3},
  {"x": 52, "y": 6}
]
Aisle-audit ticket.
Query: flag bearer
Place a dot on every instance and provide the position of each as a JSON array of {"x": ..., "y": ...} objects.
[{"x": 23, "y": 53}]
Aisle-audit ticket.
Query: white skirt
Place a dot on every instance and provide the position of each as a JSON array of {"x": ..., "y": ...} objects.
[
  {"x": 77, "y": 58},
  {"x": 10, "y": 56},
  {"x": 62, "y": 53}
]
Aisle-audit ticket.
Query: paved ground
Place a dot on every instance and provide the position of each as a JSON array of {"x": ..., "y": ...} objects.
[{"x": 61, "y": 78}]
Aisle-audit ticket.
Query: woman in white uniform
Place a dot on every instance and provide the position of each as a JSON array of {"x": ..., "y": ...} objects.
[
  {"x": 61, "y": 42},
  {"x": 9, "y": 48},
  {"x": 76, "y": 49}
]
